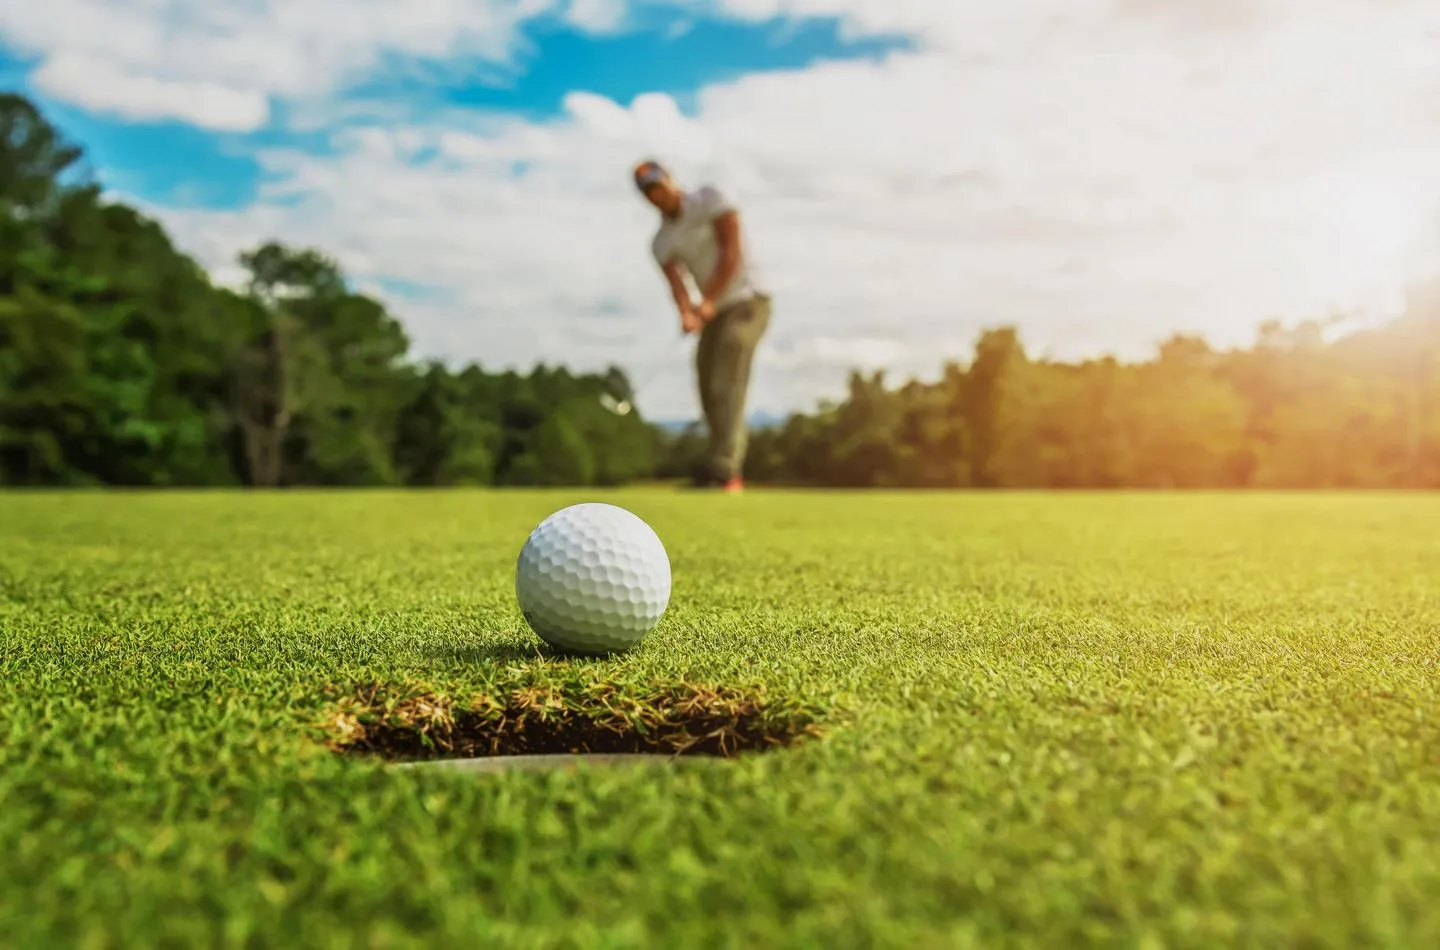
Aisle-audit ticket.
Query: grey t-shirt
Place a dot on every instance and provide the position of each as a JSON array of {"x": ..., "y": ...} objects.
[{"x": 689, "y": 240}]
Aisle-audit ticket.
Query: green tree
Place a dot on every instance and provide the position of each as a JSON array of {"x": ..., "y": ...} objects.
[
  {"x": 321, "y": 386},
  {"x": 111, "y": 340},
  {"x": 443, "y": 438},
  {"x": 559, "y": 456}
]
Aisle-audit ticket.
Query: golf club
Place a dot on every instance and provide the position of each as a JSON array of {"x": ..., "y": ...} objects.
[{"x": 623, "y": 407}]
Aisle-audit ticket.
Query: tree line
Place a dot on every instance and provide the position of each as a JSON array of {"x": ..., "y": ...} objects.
[
  {"x": 1294, "y": 411},
  {"x": 123, "y": 363}
]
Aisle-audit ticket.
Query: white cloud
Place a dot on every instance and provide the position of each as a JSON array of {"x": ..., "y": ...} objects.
[
  {"x": 596, "y": 16},
  {"x": 150, "y": 53},
  {"x": 102, "y": 86},
  {"x": 1100, "y": 173}
]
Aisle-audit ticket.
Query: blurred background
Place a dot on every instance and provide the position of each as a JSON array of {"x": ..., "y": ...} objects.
[{"x": 1149, "y": 243}]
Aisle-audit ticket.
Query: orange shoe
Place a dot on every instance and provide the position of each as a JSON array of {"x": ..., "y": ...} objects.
[{"x": 734, "y": 486}]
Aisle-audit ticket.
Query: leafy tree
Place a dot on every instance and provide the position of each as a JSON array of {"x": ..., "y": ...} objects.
[
  {"x": 324, "y": 381},
  {"x": 108, "y": 334},
  {"x": 442, "y": 437},
  {"x": 34, "y": 160},
  {"x": 43, "y": 367},
  {"x": 559, "y": 456}
]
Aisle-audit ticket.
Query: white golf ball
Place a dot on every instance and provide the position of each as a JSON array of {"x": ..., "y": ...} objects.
[{"x": 593, "y": 578}]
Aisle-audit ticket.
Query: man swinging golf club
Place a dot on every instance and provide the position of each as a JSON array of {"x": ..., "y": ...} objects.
[{"x": 699, "y": 237}]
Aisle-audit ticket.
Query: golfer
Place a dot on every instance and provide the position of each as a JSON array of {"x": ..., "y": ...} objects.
[{"x": 699, "y": 237}]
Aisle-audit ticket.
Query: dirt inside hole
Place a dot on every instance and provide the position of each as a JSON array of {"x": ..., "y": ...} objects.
[{"x": 413, "y": 723}]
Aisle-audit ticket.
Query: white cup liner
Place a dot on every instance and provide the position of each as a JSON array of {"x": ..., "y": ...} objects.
[{"x": 510, "y": 763}]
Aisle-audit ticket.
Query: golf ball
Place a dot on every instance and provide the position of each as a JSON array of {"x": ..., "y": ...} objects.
[{"x": 593, "y": 578}]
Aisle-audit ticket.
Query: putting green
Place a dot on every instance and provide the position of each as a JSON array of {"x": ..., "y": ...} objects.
[{"x": 1058, "y": 720}]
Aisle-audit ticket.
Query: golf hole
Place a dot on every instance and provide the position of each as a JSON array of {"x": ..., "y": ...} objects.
[{"x": 543, "y": 725}]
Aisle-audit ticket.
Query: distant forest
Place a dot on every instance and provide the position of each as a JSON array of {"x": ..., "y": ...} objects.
[{"x": 123, "y": 363}]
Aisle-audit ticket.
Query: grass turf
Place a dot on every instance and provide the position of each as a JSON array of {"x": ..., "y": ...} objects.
[{"x": 1139, "y": 720}]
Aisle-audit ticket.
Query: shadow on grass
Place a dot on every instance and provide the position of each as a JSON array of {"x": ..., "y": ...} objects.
[{"x": 492, "y": 653}]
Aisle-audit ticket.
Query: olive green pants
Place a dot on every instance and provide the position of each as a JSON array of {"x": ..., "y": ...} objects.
[{"x": 722, "y": 362}]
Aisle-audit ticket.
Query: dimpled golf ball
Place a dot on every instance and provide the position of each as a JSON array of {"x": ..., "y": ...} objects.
[{"x": 593, "y": 578}]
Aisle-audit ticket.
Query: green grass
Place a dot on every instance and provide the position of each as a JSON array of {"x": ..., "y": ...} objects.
[{"x": 1127, "y": 720}]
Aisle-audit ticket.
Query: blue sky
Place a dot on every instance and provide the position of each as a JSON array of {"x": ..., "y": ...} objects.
[
  {"x": 1099, "y": 175},
  {"x": 175, "y": 163}
]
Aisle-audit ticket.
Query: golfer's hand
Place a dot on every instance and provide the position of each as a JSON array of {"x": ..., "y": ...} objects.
[
  {"x": 690, "y": 321},
  {"x": 706, "y": 311}
]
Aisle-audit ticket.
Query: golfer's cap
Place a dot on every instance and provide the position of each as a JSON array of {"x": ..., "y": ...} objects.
[{"x": 649, "y": 173}]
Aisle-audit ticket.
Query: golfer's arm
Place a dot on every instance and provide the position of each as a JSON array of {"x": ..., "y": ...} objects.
[
  {"x": 678, "y": 290},
  {"x": 727, "y": 236}
]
